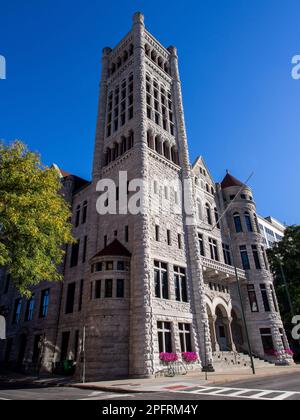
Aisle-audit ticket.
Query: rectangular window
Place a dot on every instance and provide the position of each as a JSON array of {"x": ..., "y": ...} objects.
[
  {"x": 180, "y": 284},
  {"x": 256, "y": 257},
  {"x": 201, "y": 244},
  {"x": 214, "y": 254},
  {"x": 227, "y": 254},
  {"x": 80, "y": 296},
  {"x": 264, "y": 294},
  {"x": 120, "y": 288},
  {"x": 274, "y": 298},
  {"x": 252, "y": 298},
  {"x": 169, "y": 237},
  {"x": 245, "y": 258},
  {"x": 17, "y": 311},
  {"x": 238, "y": 223},
  {"x": 98, "y": 289},
  {"x": 161, "y": 280},
  {"x": 70, "y": 298},
  {"x": 185, "y": 337},
  {"x": 84, "y": 249},
  {"x": 157, "y": 233},
  {"x": 44, "y": 303},
  {"x": 164, "y": 337},
  {"x": 126, "y": 234},
  {"x": 267, "y": 340},
  {"x": 109, "y": 265},
  {"x": 84, "y": 213},
  {"x": 108, "y": 288},
  {"x": 74, "y": 254},
  {"x": 30, "y": 308},
  {"x": 179, "y": 241},
  {"x": 265, "y": 258}
]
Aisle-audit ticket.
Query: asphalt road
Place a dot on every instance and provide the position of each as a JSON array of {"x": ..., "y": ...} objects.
[{"x": 284, "y": 387}]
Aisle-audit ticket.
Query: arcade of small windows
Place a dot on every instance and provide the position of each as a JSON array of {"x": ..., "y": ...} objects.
[
  {"x": 218, "y": 287},
  {"x": 157, "y": 59},
  {"x": 163, "y": 148},
  {"x": 119, "y": 148},
  {"x": 108, "y": 288},
  {"x": 110, "y": 266},
  {"x": 159, "y": 105},
  {"x": 119, "y": 106},
  {"x": 122, "y": 59}
]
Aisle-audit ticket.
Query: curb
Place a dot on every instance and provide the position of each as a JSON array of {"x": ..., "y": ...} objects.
[{"x": 109, "y": 389}]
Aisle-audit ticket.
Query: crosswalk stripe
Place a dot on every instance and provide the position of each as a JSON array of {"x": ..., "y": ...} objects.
[{"x": 259, "y": 394}]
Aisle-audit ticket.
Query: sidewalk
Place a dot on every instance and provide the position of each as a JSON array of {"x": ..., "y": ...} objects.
[
  {"x": 182, "y": 382},
  {"x": 9, "y": 380}
]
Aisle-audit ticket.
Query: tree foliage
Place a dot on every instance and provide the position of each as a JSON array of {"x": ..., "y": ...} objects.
[
  {"x": 34, "y": 218},
  {"x": 287, "y": 254}
]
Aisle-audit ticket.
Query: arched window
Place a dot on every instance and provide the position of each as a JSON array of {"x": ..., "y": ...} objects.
[
  {"x": 119, "y": 62},
  {"x": 150, "y": 140},
  {"x": 166, "y": 68},
  {"x": 113, "y": 68},
  {"x": 208, "y": 214},
  {"x": 217, "y": 217},
  {"x": 237, "y": 223},
  {"x": 157, "y": 144},
  {"x": 212, "y": 191},
  {"x": 131, "y": 49},
  {"x": 147, "y": 50},
  {"x": 123, "y": 144},
  {"x": 248, "y": 222},
  {"x": 166, "y": 148},
  {"x": 153, "y": 55},
  {"x": 160, "y": 62},
  {"x": 130, "y": 140},
  {"x": 207, "y": 187},
  {"x": 174, "y": 155}
]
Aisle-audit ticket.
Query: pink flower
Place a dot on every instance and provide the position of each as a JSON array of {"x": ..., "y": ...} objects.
[
  {"x": 190, "y": 357},
  {"x": 168, "y": 357}
]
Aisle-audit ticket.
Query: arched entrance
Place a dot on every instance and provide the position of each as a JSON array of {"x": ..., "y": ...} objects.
[
  {"x": 221, "y": 324},
  {"x": 237, "y": 330}
]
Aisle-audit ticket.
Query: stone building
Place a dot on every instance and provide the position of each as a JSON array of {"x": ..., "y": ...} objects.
[{"x": 137, "y": 284}]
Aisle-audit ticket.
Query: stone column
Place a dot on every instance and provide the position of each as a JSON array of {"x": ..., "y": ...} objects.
[{"x": 142, "y": 324}]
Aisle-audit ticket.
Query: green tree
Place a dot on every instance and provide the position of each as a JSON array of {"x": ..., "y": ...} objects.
[
  {"x": 285, "y": 257},
  {"x": 34, "y": 218}
]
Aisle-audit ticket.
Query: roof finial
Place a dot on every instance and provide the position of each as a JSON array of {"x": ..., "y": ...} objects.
[{"x": 227, "y": 171}]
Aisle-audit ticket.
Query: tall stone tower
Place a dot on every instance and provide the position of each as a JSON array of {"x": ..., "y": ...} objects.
[{"x": 141, "y": 131}]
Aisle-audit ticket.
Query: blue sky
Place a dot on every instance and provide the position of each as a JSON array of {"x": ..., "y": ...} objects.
[{"x": 241, "y": 104}]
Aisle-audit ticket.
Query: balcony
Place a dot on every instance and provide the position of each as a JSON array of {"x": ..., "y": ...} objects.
[{"x": 217, "y": 270}]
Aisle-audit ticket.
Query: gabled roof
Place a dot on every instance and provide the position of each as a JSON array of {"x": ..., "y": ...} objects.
[
  {"x": 230, "y": 181},
  {"x": 199, "y": 161},
  {"x": 115, "y": 248}
]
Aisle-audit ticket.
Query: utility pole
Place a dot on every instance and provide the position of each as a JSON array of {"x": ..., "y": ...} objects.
[{"x": 83, "y": 354}]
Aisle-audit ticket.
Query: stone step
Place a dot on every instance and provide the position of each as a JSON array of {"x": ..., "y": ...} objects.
[{"x": 231, "y": 360}]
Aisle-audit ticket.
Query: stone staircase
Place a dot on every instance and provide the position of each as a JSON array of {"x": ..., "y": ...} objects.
[{"x": 229, "y": 360}]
